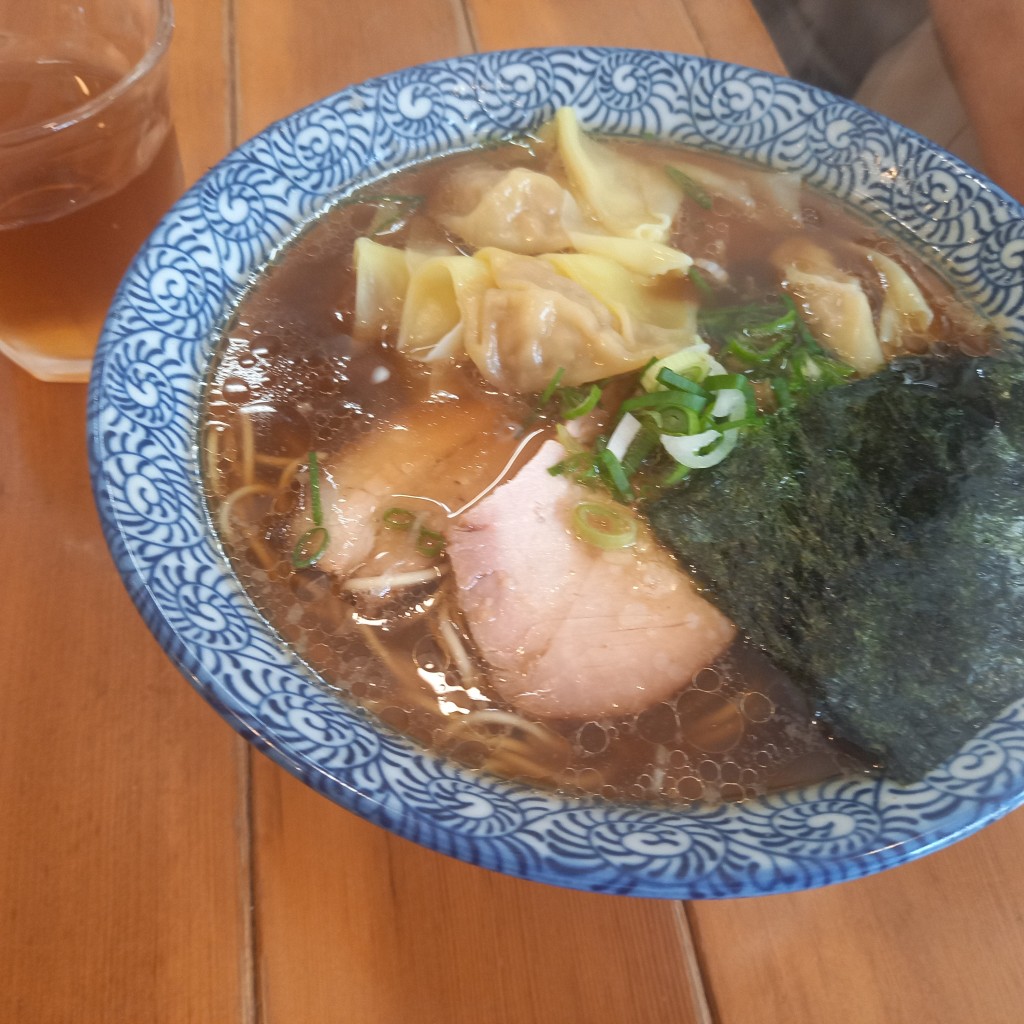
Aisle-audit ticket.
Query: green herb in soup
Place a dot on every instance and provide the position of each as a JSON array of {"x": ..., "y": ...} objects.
[{"x": 439, "y": 422}]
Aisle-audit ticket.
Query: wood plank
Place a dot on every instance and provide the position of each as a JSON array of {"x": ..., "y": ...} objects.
[
  {"x": 200, "y": 83},
  {"x": 121, "y": 853},
  {"x": 938, "y": 941},
  {"x": 724, "y": 29},
  {"x": 316, "y": 47},
  {"x": 657, "y": 24},
  {"x": 732, "y": 30},
  {"x": 352, "y": 917}
]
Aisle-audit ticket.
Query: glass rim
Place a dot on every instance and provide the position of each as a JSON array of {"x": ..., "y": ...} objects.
[{"x": 142, "y": 67}]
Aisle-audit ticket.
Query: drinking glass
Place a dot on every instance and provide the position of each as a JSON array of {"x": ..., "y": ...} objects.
[{"x": 88, "y": 164}]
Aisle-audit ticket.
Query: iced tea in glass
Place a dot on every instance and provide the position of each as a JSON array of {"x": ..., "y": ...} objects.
[{"x": 88, "y": 165}]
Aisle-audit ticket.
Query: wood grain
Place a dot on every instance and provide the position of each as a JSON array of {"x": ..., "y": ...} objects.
[
  {"x": 936, "y": 941},
  {"x": 350, "y": 916},
  {"x": 731, "y": 30},
  {"x": 314, "y": 50},
  {"x": 201, "y": 83},
  {"x": 122, "y": 847},
  {"x": 121, "y": 851},
  {"x": 650, "y": 24}
]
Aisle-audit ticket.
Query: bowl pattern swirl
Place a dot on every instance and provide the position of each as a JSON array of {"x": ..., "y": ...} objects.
[{"x": 145, "y": 397}]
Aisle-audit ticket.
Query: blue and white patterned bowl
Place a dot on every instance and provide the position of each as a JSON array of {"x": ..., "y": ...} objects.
[{"x": 144, "y": 403}]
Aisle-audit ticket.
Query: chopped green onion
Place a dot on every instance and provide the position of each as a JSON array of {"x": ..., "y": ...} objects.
[
  {"x": 694, "y": 361},
  {"x": 725, "y": 381},
  {"x": 742, "y": 349},
  {"x": 770, "y": 328},
  {"x": 584, "y": 406},
  {"x": 700, "y": 451},
  {"x": 398, "y": 518},
  {"x": 580, "y": 466},
  {"x": 689, "y": 410},
  {"x": 740, "y": 424},
  {"x": 665, "y": 400},
  {"x": 612, "y": 469},
  {"x": 676, "y": 475},
  {"x": 782, "y": 393},
  {"x": 642, "y": 445},
  {"x": 721, "y": 381},
  {"x": 314, "y": 489},
  {"x": 694, "y": 190},
  {"x": 603, "y": 525},
  {"x": 430, "y": 543},
  {"x": 676, "y": 422},
  {"x": 678, "y": 382},
  {"x": 548, "y": 393},
  {"x": 700, "y": 282},
  {"x": 310, "y": 547}
]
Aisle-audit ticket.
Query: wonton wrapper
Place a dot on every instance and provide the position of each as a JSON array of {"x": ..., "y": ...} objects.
[
  {"x": 519, "y": 210},
  {"x": 752, "y": 189},
  {"x": 382, "y": 277},
  {"x": 443, "y": 293},
  {"x": 627, "y": 294},
  {"x": 649, "y": 259},
  {"x": 522, "y": 318},
  {"x": 538, "y": 320},
  {"x": 833, "y": 301},
  {"x": 905, "y": 310},
  {"x": 627, "y": 198}
]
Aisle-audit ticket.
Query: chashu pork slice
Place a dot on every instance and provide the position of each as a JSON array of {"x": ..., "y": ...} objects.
[
  {"x": 430, "y": 460},
  {"x": 571, "y": 630}
]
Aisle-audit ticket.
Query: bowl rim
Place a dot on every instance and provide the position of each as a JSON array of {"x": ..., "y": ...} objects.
[{"x": 145, "y": 360}]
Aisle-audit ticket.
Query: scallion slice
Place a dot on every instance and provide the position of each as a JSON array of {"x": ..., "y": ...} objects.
[
  {"x": 700, "y": 282},
  {"x": 585, "y": 405},
  {"x": 430, "y": 543},
  {"x": 678, "y": 382},
  {"x": 310, "y": 547},
  {"x": 700, "y": 451},
  {"x": 548, "y": 393},
  {"x": 622, "y": 436},
  {"x": 741, "y": 347},
  {"x": 645, "y": 441},
  {"x": 611, "y": 468},
  {"x": 780, "y": 386},
  {"x": 603, "y": 525},
  {"x": 677, "y": 422},
  {"x": 398, "y": 518},
  {"x": 665, "y": 400},
  {"x": 690, "y": 188},
  {"x": 314, "y": 489}
]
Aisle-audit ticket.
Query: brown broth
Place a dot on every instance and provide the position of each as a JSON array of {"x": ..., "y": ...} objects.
[{"x": 289, "y": 378}]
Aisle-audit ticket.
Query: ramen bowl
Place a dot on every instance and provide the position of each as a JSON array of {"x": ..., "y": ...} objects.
[{"x": 146, "y": 395}]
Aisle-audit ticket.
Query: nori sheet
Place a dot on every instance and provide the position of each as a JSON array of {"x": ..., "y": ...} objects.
[{"x": 871, "y": 541}]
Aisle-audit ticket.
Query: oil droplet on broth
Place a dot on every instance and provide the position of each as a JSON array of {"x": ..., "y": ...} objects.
[
  {"x": 757, "y": 707},
  {"x": 709, "y": 721}
]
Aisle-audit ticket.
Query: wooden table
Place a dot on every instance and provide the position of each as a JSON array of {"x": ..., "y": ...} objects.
[{"x": 154, "y": 869}]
